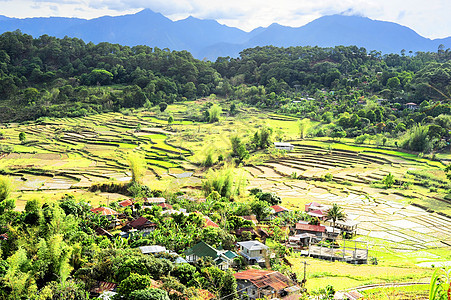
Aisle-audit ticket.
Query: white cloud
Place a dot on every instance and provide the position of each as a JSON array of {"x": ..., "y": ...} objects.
[{"x": 429, "y": 18}]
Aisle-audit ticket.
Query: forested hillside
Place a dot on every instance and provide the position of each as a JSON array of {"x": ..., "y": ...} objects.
[{"x": 364, "y": 92}]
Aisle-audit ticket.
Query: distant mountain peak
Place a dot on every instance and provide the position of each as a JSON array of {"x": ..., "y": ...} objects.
[{"x": 208, "y": 38}]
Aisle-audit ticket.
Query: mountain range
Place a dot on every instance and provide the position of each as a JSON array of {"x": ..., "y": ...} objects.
[{"x": 210, "y": 39}]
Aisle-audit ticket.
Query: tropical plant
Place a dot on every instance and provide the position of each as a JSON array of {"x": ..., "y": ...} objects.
[
  {"x": 335, "y": 213},
  {"x": 440, "y": 286}
]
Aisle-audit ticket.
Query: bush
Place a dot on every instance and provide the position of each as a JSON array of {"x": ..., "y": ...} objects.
[{"x": 149, "y": 294}]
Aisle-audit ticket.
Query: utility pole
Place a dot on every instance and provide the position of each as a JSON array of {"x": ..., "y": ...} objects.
[{"x": 305, "y": 272}]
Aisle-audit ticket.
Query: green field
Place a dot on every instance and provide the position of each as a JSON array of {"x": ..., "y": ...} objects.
[{"x": 75, "y": 153}]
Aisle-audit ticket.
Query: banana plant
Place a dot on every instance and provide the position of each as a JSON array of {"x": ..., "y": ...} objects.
[{"x": 440, "y": 286}]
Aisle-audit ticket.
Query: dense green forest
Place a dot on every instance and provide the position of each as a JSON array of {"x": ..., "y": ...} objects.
[{"x": 352, "y": 91}]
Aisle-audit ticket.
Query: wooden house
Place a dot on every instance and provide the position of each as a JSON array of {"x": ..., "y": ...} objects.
[{"x": 263, "y": 284}]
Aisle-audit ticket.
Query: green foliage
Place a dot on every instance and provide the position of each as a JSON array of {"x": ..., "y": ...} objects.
[
  {"x": 389, "y": 180},
  {"x": 214, "y": 113},
  {"x": 137, "y": 166},
  {"x": 148, "y": 294},
  {"x": 6, "y": 187},
  {"x": 418, "y": 139},
  {"x": 208, "y": 162},
  {"x": 221, "y": 181},
  {"x": 271, "y": 198},
  {"x": 132, "y": 283},
  {"x": 163, "y": 106},
  {"x": 335, "y": 213},
  {"x": 170, "y": 120},
  {"x": 22, "y": 137},
  {"x": 328, "y": 177},
  {"x": 239, "y": 149},
  {"x": 304, "y": 127},
  {"x": 262, "y": 138},
  {"x": 261, "y": 209},
  {"x": 440, "y": 286}
]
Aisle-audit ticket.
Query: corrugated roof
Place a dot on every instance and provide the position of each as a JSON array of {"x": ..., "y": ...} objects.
[
  {"x": 253, "y": 245},
  {"x": 165, "y": 205},
  {"x": 104, "y": 211},
  {"x": 126, "y": 203},
  {"x": 210, "y": 223},
  {"x": 140, "y": 222},
  {"x": 308, "y": 227},
  {"x": 152, "y": 249},
  {"x": 155, "y": 200},
  {"x": 202, "y": 249},
  {"x": 278, "y": 208},
  {"x": 263, "y": 278},
  {"x": 103, "y": 286}
]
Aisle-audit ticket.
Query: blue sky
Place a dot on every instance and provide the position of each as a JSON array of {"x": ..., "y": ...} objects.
[{"x": 430, "y": 18}]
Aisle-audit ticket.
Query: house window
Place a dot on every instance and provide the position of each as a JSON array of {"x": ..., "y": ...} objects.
[{"x": 261, "y": 251}]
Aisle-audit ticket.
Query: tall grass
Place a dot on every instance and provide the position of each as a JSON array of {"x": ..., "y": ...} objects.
[
  {"x": 137, "y": 166},
  {"x": 227, "y": 181}
]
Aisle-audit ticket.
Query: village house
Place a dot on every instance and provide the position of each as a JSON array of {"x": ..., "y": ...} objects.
[
  {"x": 165, "y": 206},
  {"x": 411, "y": 106},
  {"x": 347, "y": 227},
  {"x": 257, "y": 284},
  {"x": 317, "y": 210},
  {"x": 278, "y": 210},
  {"x": 141, "y": 224},
  {"x": 223, "y": 259},
  {"x": 283, "y": 146},
  {"x": 109, "y": 213},
  {"x": 149, "y": 202},
  {"x": 254, "y": 252},
  {"x": 126, "y": 203},
  {"x": 318, "y": 231}
]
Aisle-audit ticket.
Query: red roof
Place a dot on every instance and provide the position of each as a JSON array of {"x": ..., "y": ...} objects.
[
  {"x": 278, "y": 208},
  {"x": 104, "y": 211},
  {"x": 126, "y": 203},
  {"x": 308, "y": 227},
  {"x": 317, "y": 211},
  {"x": 210, "y": 223},
  {"x": 263, "y": 278},
  {"x": 140, "y": 222},
  {"x": 165, "y": 205}
]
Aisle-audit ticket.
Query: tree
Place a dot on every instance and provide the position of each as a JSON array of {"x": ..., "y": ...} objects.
[
  {"x": 214, "y": 113},
  {"x": 239, "y": 149},
  {"x": 170, "y": 120},
  {"x": 335, "y": 213},
  {"x": 304, "y": 126},
  {"x": 163, "y": 106},
  {"x": 261, "y": 209},
  {"x": 149, "y": 294},
  {"x": 132, "y": 283},
  {"x": 22, "y": 137},
  {"x": 389, "y": 180}
]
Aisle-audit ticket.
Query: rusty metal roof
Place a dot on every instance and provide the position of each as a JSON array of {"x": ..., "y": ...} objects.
[
  {"x": 278, "y": 208},
  {"x": 104, "y": 211},
  {"x": 308, "y": 227},
  {"x": 126, "y": 203},
  {"x": 103, "y": 286},
  {"x": 264, "y": 278}
]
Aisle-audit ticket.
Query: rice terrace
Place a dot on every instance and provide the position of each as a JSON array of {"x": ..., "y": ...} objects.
[
  {"x": 139, "y": 172},
  {"x": 407, "y": 228}
]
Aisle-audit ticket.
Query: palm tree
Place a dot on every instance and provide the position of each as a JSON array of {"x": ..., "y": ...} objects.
[{"x": 335, "y": 213}]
